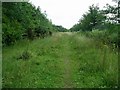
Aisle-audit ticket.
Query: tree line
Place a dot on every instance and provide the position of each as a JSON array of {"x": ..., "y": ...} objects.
[
  {"x": 22, "y": 20},
  {"x": 98, "y": 19},
  {"x": 102, "y": 24}
]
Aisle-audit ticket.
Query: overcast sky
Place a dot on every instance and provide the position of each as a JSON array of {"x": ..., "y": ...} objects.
[{"x": 67, "y": 12}]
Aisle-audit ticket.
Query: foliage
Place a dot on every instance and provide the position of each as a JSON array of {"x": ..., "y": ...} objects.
[
  {"x": 76, "y": 27},
  {"x": 23, "y": 19},
  {"x": 111, "y": 13},
  {"x": 60, "y": 28},
  {"x": 92, "y": 19},
  {"x": 109, "y": 37},
  {"x": 101, "y": 24}
]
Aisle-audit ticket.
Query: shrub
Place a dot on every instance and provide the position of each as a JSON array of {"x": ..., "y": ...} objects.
[
  {"x": 25, "y": 55},
  {"x": 104, "y": 36}
]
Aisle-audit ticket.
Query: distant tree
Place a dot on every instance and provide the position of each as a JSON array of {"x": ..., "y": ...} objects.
[
  {"x": 91, "y": 19},
  {"x": 60, "y": 28},
  {"x": 111, "y": 13},
  {"x": 76, "y": 27},
  {"x": 118, "y": 9}
]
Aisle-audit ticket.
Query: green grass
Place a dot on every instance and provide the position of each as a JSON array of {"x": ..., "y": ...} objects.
[
  {"x": 96, "y": 66},
  {"x": 63, "y": 60}
]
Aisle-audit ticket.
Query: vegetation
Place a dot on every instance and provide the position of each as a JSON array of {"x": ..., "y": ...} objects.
[
  {"x": 39, "y": 54},
  {"x": 63, "y": 60},
  {"x": 91, "y": 20},
  {"x": 102, "y": 25},
  {"x": 60, "y": 28},
  {"x": 23, "y": 20}
]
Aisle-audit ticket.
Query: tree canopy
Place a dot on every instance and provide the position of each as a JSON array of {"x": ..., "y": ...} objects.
[
  {"x": 20, "y": 19},
  {"x": 90, "y": 20}
]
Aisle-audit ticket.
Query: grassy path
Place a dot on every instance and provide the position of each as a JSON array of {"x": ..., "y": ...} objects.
[
  {"x": 67, "y": 65},
  {"x": 65, "y": 60}
]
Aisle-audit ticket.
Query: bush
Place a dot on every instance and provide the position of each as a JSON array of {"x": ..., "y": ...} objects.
[
  {"x": 23, "y": 20},
  {"x": 25, "y": 55},
  {"x": 104, "y": 36}
]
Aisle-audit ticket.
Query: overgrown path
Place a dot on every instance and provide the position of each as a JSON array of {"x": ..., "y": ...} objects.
[
  {"x": 65, "y": 57},
  {"x": 67, "y": 64},
  {"x": 65, "y": 60}
]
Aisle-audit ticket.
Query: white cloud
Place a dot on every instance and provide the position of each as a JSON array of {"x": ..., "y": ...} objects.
[{"x": 67, "y": 12}]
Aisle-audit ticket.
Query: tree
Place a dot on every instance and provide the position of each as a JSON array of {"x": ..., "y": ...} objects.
[
  {"x": 111, "y": 13},
  {"x": 118, "y": 10},
  {"x": 22, "y": 20},
  {"x": 75, "y": 27},
  {"x": 59, "y": 28},
  {"x": 91, "y": 19}
]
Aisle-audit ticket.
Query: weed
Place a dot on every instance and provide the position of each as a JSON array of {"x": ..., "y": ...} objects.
[{"x": 24, "y": 56}]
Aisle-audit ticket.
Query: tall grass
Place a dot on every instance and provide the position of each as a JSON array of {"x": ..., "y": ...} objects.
[
  {"x": 40, "y": 70},
  {"x": 97, "y": 65},
  {"x": 109, "y": 37},
  {"x": 91, "y": 63}
]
